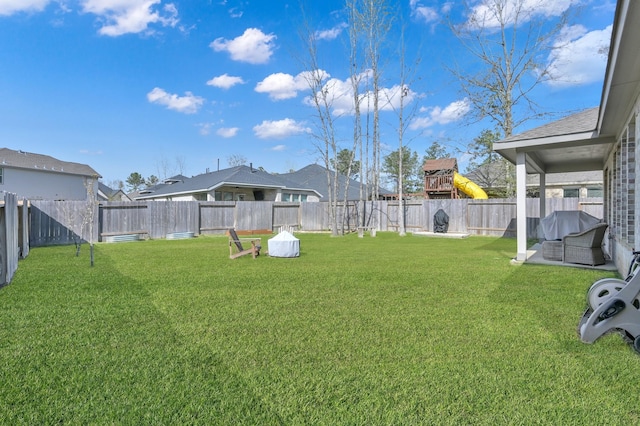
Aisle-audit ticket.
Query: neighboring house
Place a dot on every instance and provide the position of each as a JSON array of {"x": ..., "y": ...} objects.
[
  {"x": 107, "y": 194},
  {"x": 150, "y": 189},
  {"x": 41, "y": 177},
  {"x": 585, "y": 184},
  {"x": 492, "y": 178},
  {"x": 241, "y": 183},
  {"x": 315, "y": 176},
  {"x": 600, "y": 139}
]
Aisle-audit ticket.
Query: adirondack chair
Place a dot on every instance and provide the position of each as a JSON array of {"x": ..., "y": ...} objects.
[{"x": 236, "y": 249}]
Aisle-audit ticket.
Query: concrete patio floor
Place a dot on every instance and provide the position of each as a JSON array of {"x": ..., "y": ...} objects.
[{"x": 534, "y": 256}]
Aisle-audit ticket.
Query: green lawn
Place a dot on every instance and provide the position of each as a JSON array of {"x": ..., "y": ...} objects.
[{"x": 371, "y": 331}]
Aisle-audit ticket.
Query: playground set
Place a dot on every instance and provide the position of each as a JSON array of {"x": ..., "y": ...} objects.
[{"x": 442, "y": 181}]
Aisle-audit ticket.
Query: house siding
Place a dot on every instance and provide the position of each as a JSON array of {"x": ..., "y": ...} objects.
[
  {"x": 621, "y": 206},
  {"x": 45, "y": 185}
]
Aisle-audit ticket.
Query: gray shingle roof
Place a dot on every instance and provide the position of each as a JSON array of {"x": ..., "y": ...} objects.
[
  {"x": 240, "y": 175},
  {"x": 31, "y": 161},
  {"x": 315, "y": 176},
  {"x": 585, "y": 121}
]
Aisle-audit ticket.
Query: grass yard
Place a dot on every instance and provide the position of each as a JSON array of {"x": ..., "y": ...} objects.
[{"x": 371, "y": 331}]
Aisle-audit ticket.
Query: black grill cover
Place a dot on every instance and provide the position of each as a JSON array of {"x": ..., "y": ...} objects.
[{"x": 440, "y": 221}]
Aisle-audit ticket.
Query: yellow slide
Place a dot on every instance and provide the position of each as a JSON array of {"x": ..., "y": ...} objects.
[{"x": 468, "y": 187}]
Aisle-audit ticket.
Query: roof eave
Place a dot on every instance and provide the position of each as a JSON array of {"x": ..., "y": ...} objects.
[{"x": 621, "y": 81}]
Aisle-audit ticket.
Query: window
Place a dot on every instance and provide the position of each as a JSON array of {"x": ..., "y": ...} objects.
[
  {"x": 1, "y": 176},
  {"x": 223, "y": 196},
  {"x": 571, "y": 192},
  {"x": 595, "y": 192}
]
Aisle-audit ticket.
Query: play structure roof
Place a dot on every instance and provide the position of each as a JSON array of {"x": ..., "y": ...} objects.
[{"x": 440, "y": 164}]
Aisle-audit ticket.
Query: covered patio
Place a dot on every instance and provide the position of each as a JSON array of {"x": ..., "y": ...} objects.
[
  {"x": 584, "y": 141},
  {"x": 571, "y": 144}
]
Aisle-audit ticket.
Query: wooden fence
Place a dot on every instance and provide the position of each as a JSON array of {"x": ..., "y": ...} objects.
[
  {"x": 62, "y": 222},
  {"x": 14, "y": 235}
]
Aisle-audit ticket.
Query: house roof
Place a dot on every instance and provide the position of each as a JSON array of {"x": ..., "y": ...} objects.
[
  {"x": 584, "y": 121},
  {"x": 570, "y": 144},
  {"x": 30, "y": 161},
  {"x": 315, "y": 176},
  {"x": 440, "y": 164},
  {"x": 582, "y": 142},
  {"x": 108, "y": 192},
  {"x": 241, "y": 176}
]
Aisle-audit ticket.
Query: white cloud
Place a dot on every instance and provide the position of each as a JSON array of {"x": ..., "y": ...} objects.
[
  {"x": 279, "y": 148},
  {"x": 484, "y": 14},
  {"x": 423, "y": 13},
  {"x": 393, "y": 96},
  {"x": 9, "y": 7},
  {"x": 130, "y": 16},
  {"x": 205, "y": 128},
  {"x": 281, "y": 86},
  {"x": 253, "y": 46},
  {"x": 332, "y": 33},
  {"x": 234, "y": 12},
  {"x": 279, "y": 129},
  {"x": 187, "y": 104},
  {"x": 579, "y": 57},
  {"x": 340, "y": 96},
  {"x": 225, "y": 81},
  {"x": 227, "y": 132},
  {"x": 437, "y": 115}
]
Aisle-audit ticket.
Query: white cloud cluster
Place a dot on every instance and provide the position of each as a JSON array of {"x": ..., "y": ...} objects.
[
  {"x": 423, "y": 13},
  {"x": 130, "y": 16},
  {"x": 225, "y": 81},
  {"x": 253, "y": 46},
  {"x": 188, "y": 104},
  {"x": 438, "y": 115},
  {"x": 339, "y": 94},
  {"x": 9, "y": 7},
  {"x": 484, "y": 13},
  {"x": 227, "y": 132},
  {"x": 282, "y": 86},
  {"x": 117, "y": 16},
  {"x": 279, "y": 129},
  {"x": 579, "y": 57},
  {"x": 331, "y": 33}
]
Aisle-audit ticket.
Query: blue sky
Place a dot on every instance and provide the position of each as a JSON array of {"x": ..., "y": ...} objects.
[{"x": 163, "y": 86}]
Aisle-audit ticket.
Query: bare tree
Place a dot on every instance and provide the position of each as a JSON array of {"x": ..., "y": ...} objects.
[
  {"x": 80, "y": 217},
  {"x": 236, "y": 160},
  {"x": 356, "y": 77},
  {"x": 509, "y": 40},
  {"x": 374, "y": 17},
  {"x": 89, "y": 215},
  {"x": 165, "y": 169},
  {"x": 321, "y": 98},
  {"x": 404, "y": 96}
]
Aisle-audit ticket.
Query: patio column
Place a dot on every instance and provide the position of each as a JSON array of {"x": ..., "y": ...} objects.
[
  {"x": 521, "y": 206},
  {"x": 543, "y": 195}
]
